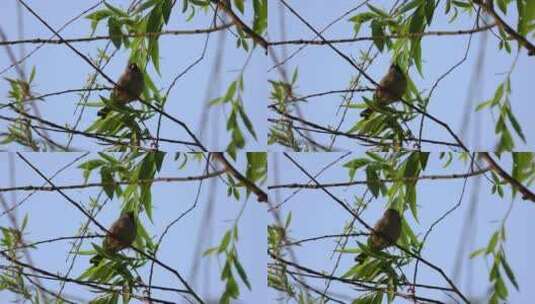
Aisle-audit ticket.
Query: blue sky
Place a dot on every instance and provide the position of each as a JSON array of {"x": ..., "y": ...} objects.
[
  {"x": 59, "y": 68},
  {"x": 52, "y": 216},
  {"x": 316, "y": 214}
]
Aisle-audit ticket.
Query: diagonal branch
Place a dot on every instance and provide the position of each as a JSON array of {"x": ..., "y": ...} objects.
[
  {"x": 240, "y": 24},
  {"x": 526, "y": 193},
  {"x": 489, "y": 8},
  {"x": 261, "y": 196}
]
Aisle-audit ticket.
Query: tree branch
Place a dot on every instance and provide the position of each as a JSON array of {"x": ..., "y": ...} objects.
[
  {"x": 241, "y": 25},
  {"x": 408, "y": 35},
  {"x": 408, "y": 179},
  {"x": 526, "y": 193},
  {"x": 261, "y": 196},
  {"x": 130, "y": 35},
  {"x": 489, "y": 8},
  {"x": 89, "y": 185}
]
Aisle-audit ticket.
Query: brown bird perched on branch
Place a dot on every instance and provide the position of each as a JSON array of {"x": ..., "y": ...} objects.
[
  {"x": 129, "y": 86},
  {"x": 385, "y": 233},
  {"x": 120, "y": 236},
  {"x": 391, "y": 88}
]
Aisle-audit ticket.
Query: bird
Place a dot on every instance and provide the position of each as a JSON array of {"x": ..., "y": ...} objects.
[
  {"x": 391, "y": 88},
  {"x": 121, "y": 235},
  {"x": 129, "y": 86},
  {"x": 385, "y": 233}
]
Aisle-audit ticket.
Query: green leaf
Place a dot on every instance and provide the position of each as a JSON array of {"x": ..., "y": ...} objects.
[
  {"x": 359, "y": 19},
  {"x": 239, "y": 5},
  {"x": 502, "y": 4},
  {"x": 260, "y": 19},
  {"x": 409, "y": 5},
  {"x": 32, "y": 75},
  {"x": 509, "y": 272},
  {"x": 416, "y": 24},
  {"x": 492, "y": 243},
  {"x": 478, "y": 252},
  {"x": 288, "y": 220},
  {"x": 96, "y": 17},
  {"x": 116, "y": 11},
  {"x": 522, "y": 161},
  {"x": 378, "y": 35},
  {"x": 146, "y": 199},
  {"x": 231, "y": 91},
  {"x": 429, "y": 11},
  {"x": 411, "y": 199},
  {"x": 412, "y": 166},
  {"x": 114, "y": 31},
  {"x": 248, "y": 124},
  {"x": 154, "y": 21},
  {"x": 506, "y": 141},
  {"x": 24, "y": 222},
  {"x": 167, "y": 6},
  {"x": 500, "y": 288},
  {"x": 515, "y": 124},
  {"x": 159, "y": 157},
  {"x": 89, "y": 166},
  {"x": 146, "y": 170},
  {"x": 366, "y": 299},
  {"x": 484, "y": 104},
  {"x": 241, "y": 273},
  {"x": 231, "y": 289},
  {"x": 372, "y": 180},
  {"x": 108, "y": 184},
  {"x": 99, "y": 15},
  {"x": 416, "y": 53},
  {"x": 354, "y": 165},
  {"x": 145, "y": 5},
  {"x": 462, "y": 4},
  {"x": 155, "y": 54},
  {"x": 378, "y": 11},
  {"x": 256, "y": 166},
  {"x": 528, "y": 16},
  {"x": 498, "y": 94},
  {"x": 224, "y": 242},
  {"x": 295, "y": 75},
  {"x": 210, "y": 251},
  {"x": 424, "y": 158}
]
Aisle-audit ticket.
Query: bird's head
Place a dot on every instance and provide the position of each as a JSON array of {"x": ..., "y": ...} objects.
[
  {"x": 130, "y": 214},
  {"x": 394, "y": 67},
  {"x": 392, "y": 213},
  {"x": 132, "y": 67}
]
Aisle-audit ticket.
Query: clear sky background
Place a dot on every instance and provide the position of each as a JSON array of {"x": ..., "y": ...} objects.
[
  {"x": 316, "y": 214},
  {"x": 59, "y": 68},
  {"x": 51, "y": 216},
  {"x": 321, "y": 69}
]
